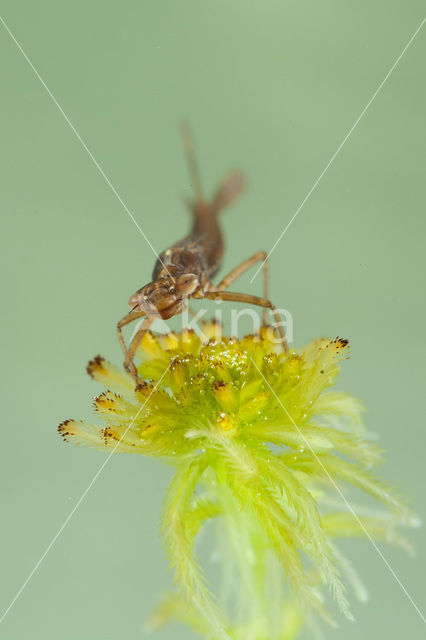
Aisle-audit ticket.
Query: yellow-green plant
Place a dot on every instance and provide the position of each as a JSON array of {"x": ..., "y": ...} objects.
[{"x": 262, "y": 444}]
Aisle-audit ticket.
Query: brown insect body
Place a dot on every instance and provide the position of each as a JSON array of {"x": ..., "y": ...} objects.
[
  {"x": 185, "y": 269},
  {"x": 202, "y": 250}
]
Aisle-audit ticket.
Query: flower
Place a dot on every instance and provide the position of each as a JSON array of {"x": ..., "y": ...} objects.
[{"x": 261, "y": 442}]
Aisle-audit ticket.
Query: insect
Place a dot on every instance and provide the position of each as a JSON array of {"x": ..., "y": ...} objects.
[{"x": 185, "y": 270}]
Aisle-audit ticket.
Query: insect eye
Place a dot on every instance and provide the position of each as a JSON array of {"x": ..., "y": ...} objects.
[{"x": 186, "y": 283}]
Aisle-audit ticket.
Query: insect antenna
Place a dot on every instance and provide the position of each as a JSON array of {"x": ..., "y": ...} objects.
[{"x": 192, "y": 161}]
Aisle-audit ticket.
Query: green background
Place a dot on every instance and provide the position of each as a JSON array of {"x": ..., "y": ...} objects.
[{"x": 273, "y": 88}]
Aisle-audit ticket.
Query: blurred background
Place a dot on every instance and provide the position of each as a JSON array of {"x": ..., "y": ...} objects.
[{"x": 273, "y": 88}]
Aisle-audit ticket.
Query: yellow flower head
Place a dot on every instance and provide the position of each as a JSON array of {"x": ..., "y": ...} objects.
[{"x": 262, "y": 443}]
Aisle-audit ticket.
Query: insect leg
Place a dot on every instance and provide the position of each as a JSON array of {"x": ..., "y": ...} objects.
[
  {"x": 129, "y": 365},
  {"x": 242, "y": 268},
  {"x": 129, "y": 317},
  {"x": 232, "y": 296}
]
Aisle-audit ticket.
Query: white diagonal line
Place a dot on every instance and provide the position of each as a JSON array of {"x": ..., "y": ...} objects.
[
  {"x": 317, "y": 181},
  {"x": 84, "y": 145},
  {"x": 79, "y": 501},
  {"x": 339, "y": 491}
]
